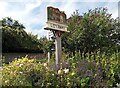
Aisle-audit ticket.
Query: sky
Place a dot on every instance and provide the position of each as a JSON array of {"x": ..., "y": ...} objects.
[{"x": 33, "y": 15}]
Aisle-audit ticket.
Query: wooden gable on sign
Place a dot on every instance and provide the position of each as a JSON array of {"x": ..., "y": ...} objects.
[
  {"x": 56, "y": 20},
  {"x": 55, "y": 15}
]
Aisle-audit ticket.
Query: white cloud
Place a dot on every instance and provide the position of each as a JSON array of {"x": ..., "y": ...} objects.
[
  {"x": 17, "y": 14},
  {"x": 39, "y": 32},
  {"x": 115, "y": 14},
  {"x": 23, "y": 15},
  {"x": 78, "y": 0},
  {"x": 2, "y": 8},
  {"x": 27, "y": 17},
  {"x": 68, "y": 7},
  {"x": 20, "y": 0}
]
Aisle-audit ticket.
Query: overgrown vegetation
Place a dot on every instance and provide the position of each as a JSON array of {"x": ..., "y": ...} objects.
[
  {"x": 15, "y": 39},
  {"x": 79, "y": 73},
  {"x": 95, "y": 31},
  {"x": 90, "y": 60}
]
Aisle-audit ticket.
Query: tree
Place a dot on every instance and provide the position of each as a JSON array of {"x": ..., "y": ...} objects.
[
  {"x": 15, "y": 39},
  {"x": 48, "y": 45},
  {"x": 95, "y": 30}
]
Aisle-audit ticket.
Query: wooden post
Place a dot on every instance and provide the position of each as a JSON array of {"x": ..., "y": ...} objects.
[
  {"x": 48, "y": 37},
  {"x": 58, "y": 53}
]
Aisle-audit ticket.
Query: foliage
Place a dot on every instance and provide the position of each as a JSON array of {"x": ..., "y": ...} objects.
[
  {"x": 91, "y": 60},
  {"x": 48, "y": 45},
  {"x": 15, "y": 39},
  {"x": 94, "y": 30},
  {"x": 80, "y": 73},
  {"x": 25, "y": 72}
]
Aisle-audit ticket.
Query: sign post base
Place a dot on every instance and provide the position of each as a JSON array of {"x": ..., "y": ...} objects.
[{"x": 58, "y": 52}]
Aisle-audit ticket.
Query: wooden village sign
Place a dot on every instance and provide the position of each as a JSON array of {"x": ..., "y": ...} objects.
[{"x": 56, "y": 22}]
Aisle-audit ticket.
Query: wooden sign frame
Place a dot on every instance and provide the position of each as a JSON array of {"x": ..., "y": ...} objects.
[{"x": 56, "y": 22}]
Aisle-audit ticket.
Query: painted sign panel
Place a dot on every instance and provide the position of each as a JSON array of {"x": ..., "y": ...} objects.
[
  {"x": 56, "y": 19},
  {"x": 55, "y": 15}
]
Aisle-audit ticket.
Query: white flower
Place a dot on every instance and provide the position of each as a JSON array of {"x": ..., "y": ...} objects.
[
  {"x": 66, "y": 70},
  {"x": 68, "y": 83},
  {"x": 118, "y": 85},
  {"x": 73, "y": 73},
  {"x": 59, "y": 71},
  {"x": 20, "y": 65},
  {"x": 52, "y": 74},
  {"x": 46, "y": 67},
  {"x": 6, "y": 81},
  {"x": 21, "y": 72},
  {"x": 48, "y": 83},
  {"x": 45, "y": 64}
]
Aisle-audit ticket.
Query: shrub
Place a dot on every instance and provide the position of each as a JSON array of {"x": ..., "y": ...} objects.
[
  {"x": 25, "y": 72},
  {"x": 78, "y": 73},
  {"x": 92, "y": 70}
]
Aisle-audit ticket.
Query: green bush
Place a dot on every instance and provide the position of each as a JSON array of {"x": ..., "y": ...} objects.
[
  {"x": 25, "y": 72},
  {"x": 80, "y": 73}
]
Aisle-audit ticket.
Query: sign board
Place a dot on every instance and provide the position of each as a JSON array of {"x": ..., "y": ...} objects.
[
  {"x": 56, "y": 22},
  {"x": 55, "y": 15},
  {"x": 56, "y": 19}
]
